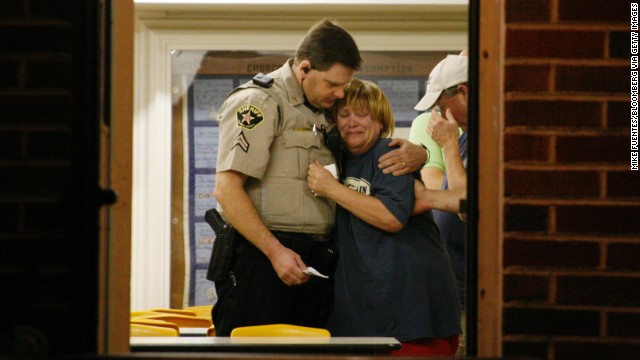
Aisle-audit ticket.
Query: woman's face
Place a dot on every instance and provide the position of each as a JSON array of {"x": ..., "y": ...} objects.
[{"x": 358, "y": 130}]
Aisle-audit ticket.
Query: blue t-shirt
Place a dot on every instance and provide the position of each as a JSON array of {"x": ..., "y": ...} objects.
[
  {"x": 453, "y": 232},
  {"x": 390, "y": 284}
]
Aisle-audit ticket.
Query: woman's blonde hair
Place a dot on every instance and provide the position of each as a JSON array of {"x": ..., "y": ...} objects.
[{"x": 363, "y": 94}]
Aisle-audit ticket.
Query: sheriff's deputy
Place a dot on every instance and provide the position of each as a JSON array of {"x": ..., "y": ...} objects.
[{"x": 270, "y": 130}]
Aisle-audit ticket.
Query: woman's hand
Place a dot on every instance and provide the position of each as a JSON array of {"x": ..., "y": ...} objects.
[{"x": 320, "y": 180}]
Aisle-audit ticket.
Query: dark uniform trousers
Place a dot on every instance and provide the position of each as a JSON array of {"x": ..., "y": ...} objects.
[{"x": 253, "y": 294}]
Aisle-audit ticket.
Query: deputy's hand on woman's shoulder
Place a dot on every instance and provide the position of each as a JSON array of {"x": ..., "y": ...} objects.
[{"x": 407, "y": 158}]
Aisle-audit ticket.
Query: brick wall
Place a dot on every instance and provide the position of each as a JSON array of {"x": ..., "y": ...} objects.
[
  {"x": 572, "y": 206},
  {"x": 48, "y": 172}
]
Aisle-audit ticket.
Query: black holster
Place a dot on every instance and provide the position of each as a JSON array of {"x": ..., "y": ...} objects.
[{"x": 223, "y": 246}]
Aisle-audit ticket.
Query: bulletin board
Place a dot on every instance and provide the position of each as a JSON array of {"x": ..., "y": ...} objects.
[{"x": 201, "y": 81}]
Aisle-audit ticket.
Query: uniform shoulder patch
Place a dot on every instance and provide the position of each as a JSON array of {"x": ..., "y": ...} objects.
[{"x": 249, "y": 116}]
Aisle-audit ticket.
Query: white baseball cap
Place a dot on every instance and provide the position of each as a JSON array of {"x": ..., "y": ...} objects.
[{"x": 451, "y": 71}]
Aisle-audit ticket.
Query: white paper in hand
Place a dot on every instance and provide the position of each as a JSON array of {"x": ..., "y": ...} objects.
[
  {"x": 313, "y": 272},
  {"x": 332, "y": 169}
]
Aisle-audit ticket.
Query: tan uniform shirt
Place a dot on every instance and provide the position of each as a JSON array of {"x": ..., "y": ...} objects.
[{"x": 267, "y": 134}]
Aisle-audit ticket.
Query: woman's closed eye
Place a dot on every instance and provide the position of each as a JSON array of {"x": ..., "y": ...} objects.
[{"x": 347, "y": 114}]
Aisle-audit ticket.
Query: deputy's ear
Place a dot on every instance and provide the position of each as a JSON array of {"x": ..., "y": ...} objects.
[{"x": 305, "y": 66}]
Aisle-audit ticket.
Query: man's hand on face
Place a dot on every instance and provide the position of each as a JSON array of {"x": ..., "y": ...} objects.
[{"x": 443, "y": 130}]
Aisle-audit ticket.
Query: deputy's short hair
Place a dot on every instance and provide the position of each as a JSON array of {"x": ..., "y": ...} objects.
[{"x": 326, "y": 44}]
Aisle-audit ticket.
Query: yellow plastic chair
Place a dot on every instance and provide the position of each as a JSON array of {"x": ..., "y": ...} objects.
[
  {"x": 153, "y": 322},
  {"x": 163, "y": 311},
  {"x": 181, "y": 320},
  {"x": 148, "y": 330},
  {"x": 175, "y": 311},
  {"x": 211, "y": 331},
  {"x": 142, "y": 313},
  {"x": 279, "y": 330},
  {"x": 201, "y": 310}
]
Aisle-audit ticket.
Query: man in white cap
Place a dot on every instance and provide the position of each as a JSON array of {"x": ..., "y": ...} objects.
[
  {"x": 447, "y": 90},
  {"x": 444, "y": 78},
  {"x": 434, "y": 169}
]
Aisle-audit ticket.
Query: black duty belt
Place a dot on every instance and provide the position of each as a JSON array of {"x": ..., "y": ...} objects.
[
  {"x": 301, "y": 236},
  {"x": 299, "y": 242}
]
